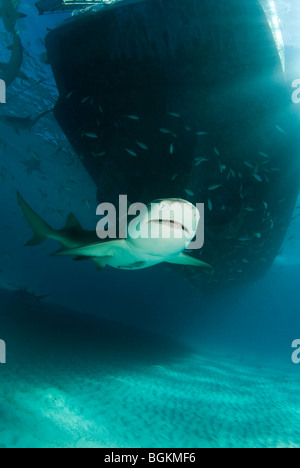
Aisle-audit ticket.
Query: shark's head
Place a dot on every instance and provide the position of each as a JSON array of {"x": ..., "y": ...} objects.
[{"x": 166, "y": 228}]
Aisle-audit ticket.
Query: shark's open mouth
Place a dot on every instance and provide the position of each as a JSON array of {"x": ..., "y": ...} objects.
[{"x": 170, "y": 223}]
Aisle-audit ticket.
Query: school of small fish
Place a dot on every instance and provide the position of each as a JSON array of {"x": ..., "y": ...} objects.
[{"x": 259, "y": 171}]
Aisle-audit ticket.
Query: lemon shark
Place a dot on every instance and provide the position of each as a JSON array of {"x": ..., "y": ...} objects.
[
  {"x": 23, "y": 123},
  {"x": 11, "y": 70},
  {"x": 158, "y": 235},
  {"x": 10, "y": 15}
]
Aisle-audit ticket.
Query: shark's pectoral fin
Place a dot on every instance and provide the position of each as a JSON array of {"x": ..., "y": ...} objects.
[
  {"x": 100, "y": 250},
  {"x": 101, "y": 263},
  {"x": 81, "y": 259},
  {"x": 184, "y": 259}
]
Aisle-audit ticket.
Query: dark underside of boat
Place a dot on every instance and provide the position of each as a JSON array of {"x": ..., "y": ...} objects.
[{"x": 164, "y": 98}]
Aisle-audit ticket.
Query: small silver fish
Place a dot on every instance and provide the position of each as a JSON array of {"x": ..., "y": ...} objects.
[
  {"x": 142, "y": 145},
  {"x": 201, "y": 133},
  {"x": 165, "y": 131},
  {"x": 174, "y": 177},
  {"x": 90, "y": 135},
  {"x": 210, "y": 205},
  {"x": 172, "y": 149},
  {"x": 214, "y": 187},
  {"x": 33, "y": 154},
  {"x": 199, "y": 161},
  {"x": 87, "y": 203},
  {"x": 189, "y": 192},
  {"x": 131, "y": 152},
  {"x": 257, "y": 177},
  {"x": 248, "y": 164},
  {"x": 173, "y": 114},
  {"x": 280, "y": 129},
  {"x": 133, "y": 117},
  {"x": 264, "y": 155},
  {"x": 217, "y": 151},
  {"x": 85, "y": 100},
  {"x": 222, "y": 167}
]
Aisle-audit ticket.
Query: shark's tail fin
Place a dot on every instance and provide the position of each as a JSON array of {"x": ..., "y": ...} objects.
[{"x": 42, "y": 231}]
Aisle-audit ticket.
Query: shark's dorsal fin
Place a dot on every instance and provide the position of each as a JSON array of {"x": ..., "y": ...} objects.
[
  {"x": 73, "y": 224},
  {"x": 81, "y": 259}
]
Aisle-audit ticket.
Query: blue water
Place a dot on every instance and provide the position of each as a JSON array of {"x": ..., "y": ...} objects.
[{"x": 129, "y": 359}]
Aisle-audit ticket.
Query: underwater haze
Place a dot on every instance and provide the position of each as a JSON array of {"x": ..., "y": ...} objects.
[{"x": 167, "y": 356}]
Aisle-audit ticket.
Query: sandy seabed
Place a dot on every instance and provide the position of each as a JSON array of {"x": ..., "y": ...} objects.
[
  {"x": 193, "y": 402},
  {"x": 78, "y": 381}
]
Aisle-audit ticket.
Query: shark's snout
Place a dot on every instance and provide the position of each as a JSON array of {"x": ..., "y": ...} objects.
[{"x": 176, "y": 215}]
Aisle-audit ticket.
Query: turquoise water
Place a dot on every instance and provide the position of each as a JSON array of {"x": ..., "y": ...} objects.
[
  {"x": 81, "y": 382},
  {"x": 161, "y": 357},
  {"x": 93, "y": 397}
]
